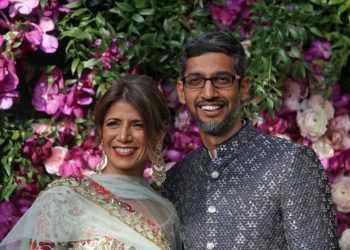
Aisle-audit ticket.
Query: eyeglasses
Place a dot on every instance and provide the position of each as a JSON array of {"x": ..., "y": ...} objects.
[{"x": 219, "y": 81}]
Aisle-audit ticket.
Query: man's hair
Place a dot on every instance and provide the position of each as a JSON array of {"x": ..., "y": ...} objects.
[
  {"x": 142, "y": 93},
  {"x": 220, "y": 42}
]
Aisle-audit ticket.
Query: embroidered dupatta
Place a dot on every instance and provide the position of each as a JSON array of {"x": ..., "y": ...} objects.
[{"x": 97, "y": 212}]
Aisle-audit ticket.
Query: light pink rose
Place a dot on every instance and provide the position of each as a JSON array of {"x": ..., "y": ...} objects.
[
  {"x": 52, "y": 164},
  {"x": 312, "y": 123},
  {"x": 341, "y": 194},
  {"x": 338, "y": 132},
  {"x": 344, "y": 241}
]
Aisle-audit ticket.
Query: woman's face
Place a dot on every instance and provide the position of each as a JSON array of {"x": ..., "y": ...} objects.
[{"x": 123, "y": 140}]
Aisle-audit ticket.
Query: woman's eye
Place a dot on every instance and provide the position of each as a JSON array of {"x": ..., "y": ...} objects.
[
  {"x": 112, "y": 124},
  {"x": 138, "y": 125}
]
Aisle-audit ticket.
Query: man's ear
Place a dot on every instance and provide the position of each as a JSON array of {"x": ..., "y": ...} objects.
[
  {"x": 180, "y": 92},
  {"x": 244, "y": 88}
]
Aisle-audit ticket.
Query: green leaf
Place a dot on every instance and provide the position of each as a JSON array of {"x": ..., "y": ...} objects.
[
  {"x": 294, "y": 52},
  {"x": 316, "y": 31},
  {"x": 140, "y": 4},
  {"x": 125, "y": 7},
  {"x": 77, "y": 33},
  {"x": 74, "y": 65},
  {"x": 147, "y": 12},
  {"x": 100, "y": 21},
  {"x": 335, "y": 2},
  {"x": 90, "y": 63},
  {"x": 74, "y": 4},
  {"x": 132, "y": 29},
  {"x": 138, "y": 18}
]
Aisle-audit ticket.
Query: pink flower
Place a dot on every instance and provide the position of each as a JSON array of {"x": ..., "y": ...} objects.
[
  {"x": 47, "y": 98},
  {"x": 318, "y": 51},
  {"x": 341, "y": 193},
  {"x": 183, "y": 121},
  {"x": 73, "y": 163},
  {"x": 53, "y": 163},
  {"x": 7, "y": 99},
  {"x": 9, "y": 215},
  {"x": 24, "y": 7},
  {"x": 8, "y": 78},
  {"x": 342, "y": 222},
  {"x": 4, "y": 4},
  {"x": 340, "y": 101},
  {"x": 38, "y": 149},
  {"x": 67, "y": 130},
  {"x": 271, "y": 126},
  {"x": 80, "y": 96},
  {"x": 38, "y": 36}
]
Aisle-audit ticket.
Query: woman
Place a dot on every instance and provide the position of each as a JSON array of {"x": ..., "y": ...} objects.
[{"x": 115, "y": 209}]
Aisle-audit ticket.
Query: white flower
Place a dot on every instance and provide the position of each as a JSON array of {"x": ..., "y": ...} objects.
[
  {"x": 312, "y": 123},
  {"x": 317, "y": 101},
  {"x": 323, "y": 148},
  {"x": 341, "y": 194},
  {"x": 344, "y": 241}
]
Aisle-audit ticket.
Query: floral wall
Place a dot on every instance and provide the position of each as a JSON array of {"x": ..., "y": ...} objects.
[{"x": 58, "y": 57}]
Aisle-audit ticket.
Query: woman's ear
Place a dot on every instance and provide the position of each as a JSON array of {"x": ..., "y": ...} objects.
[{"x": 244, "y": 88}]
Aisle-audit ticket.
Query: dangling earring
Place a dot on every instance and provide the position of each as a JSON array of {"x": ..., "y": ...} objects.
[
  {"x": 158, "y": 166},
  {"x": 102, "y": 164}
]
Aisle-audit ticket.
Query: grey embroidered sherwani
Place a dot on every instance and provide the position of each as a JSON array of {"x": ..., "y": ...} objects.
[{"x": 261, "y": 192}]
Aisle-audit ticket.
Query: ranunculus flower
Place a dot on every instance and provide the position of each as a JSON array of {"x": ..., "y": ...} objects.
[
  {"x": 341, "y": 194},
  {"x": 338, "y": 132},
  {"x": 312, "y": 123},
  {"x": 316, "y": 101},
  {"x": 344, "y": 241},
  {"x": 53, "y": 163},
  {"x": 323, "y": 148}
]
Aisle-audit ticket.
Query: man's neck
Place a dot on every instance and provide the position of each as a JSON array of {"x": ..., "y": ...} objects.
[{"x": 211, "y": 141}]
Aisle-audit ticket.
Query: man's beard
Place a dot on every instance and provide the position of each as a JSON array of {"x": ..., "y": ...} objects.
[{"x": 223, "y": 126}]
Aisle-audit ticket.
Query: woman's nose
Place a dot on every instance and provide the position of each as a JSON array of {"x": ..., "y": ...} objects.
[{"x": 124, "y": 134}]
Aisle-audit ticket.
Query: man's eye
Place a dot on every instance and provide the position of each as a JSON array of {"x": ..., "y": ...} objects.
[
  {"x": 196, "y": 80},
  {"x": 222, "y": 78}
]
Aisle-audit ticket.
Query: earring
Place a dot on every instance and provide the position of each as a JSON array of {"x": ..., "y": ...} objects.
[
  {"x": 158, "y": 166},
  {"x": 102, "y": 164}
]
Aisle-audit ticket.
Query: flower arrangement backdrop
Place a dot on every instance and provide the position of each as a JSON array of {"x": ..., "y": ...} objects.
[{"x": 58, "y": 57}]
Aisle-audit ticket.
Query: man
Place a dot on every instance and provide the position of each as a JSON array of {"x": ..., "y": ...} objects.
[{"x": 242, "y": 189}]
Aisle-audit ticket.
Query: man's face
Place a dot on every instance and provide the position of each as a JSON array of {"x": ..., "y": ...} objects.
[{"x": 216, "y": 110}]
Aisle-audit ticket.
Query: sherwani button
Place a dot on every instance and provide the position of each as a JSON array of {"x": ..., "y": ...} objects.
[
  {"x": 210, "y": 245},
  {"x": 214, "y": 174},
  {"x": 211, "y": 209}
]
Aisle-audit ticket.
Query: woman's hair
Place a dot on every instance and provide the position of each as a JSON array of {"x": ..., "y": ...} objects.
[{"x": 142, "y": 93}]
